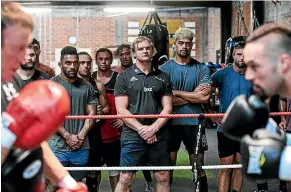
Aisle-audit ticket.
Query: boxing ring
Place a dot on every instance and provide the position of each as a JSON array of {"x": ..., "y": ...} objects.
[{"x": 154, "y": 168}]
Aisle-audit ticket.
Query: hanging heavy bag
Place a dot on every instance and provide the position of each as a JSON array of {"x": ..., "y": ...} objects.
[
  {"x": 229, "y": 46},
  {"x": 158, "y": 33}
]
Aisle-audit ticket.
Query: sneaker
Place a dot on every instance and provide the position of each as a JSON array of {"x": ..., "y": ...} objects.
[{"x": 149, "y": 187}]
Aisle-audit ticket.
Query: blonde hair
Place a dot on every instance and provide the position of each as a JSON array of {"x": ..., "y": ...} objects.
[
  {"x": 184, "y": 33},
  {"x": 141, "y": 39},
  {"x": 12, "y": 14}
]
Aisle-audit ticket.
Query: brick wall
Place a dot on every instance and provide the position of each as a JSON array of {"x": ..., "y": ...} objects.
[
  {"x": 279, "y": 13},
  {"x": 93, "y": 33},
  {"x": 214, "y": 33},
  {"x": 98, "y": 30}
]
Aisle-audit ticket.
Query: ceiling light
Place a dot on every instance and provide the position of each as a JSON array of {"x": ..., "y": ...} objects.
[
  {"x": 36, "y": 10},
  {"x": 128, "y": 10}
]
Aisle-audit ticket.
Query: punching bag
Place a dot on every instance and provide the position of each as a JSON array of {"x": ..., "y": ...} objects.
[
  {"x": 229, "y": 46},
  {"x": 158, "y": 33}
]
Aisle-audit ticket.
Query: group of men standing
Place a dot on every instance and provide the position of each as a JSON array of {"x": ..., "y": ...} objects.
[{"x": 182, "y": 85}]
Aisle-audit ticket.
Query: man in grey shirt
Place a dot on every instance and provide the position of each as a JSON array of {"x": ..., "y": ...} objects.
[{"x": 71, "y": 144}]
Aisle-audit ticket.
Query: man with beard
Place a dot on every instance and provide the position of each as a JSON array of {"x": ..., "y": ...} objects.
[
  {"x": 39, "y": 65},
  {"x": 231, "y": 83},
  {"x": 71, "y": 144},
  {"x": 27, "y": 71},
  {"x": 265, "y": 150},
  {"x": 93, "y": 178},
  {"x": 143, "y": 90},
  {"x": 191, "y": 88},
  {"x": 124, "y": 54}
]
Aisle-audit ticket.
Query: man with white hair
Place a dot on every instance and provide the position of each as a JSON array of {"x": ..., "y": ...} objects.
[{"x": 191, "y": 88}]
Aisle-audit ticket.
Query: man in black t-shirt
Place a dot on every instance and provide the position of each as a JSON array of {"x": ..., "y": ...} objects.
[
  {"x": 27, "y": 71},
  {"x": 143, "y": 90}
]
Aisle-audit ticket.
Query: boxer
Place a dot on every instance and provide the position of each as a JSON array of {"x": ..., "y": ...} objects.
[
  {"x": 24, "y": 127},
  {"x": 265, "y": 152}
]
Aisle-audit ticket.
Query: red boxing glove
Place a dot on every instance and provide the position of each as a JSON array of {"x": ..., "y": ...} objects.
[
  {"x": 81, "y": 187},
  {"x": 36, "y": 113}
]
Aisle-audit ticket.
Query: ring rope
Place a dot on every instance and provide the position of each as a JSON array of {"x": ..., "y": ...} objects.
[
  {"x": 236, "y": 166},
  {"x": 151, "y": 116}
]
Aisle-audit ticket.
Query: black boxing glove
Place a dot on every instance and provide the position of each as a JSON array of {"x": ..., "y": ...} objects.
[
  {"x": 244, "y": 116},
  {"x": 261, "y": 154}
]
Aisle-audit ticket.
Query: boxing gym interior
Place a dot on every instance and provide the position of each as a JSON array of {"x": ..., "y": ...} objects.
[{"x": 217, "y": 27}]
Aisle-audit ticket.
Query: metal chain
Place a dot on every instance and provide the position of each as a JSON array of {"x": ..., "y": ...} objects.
[
  {"x": 236, "y": 166},
  {"x": 239, "y": 24}
]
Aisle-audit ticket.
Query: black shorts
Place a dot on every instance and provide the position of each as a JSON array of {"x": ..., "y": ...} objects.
[
  {"x": 95, "y": 152},
  {"x": 187, "y": 134},
  {"x": 226, "y": 147},
  {"x": 111, "y": 154},
  {"x": 139, "y": 153}
]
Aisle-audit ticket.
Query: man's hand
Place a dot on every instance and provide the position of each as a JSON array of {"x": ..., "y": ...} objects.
[
  {"x": 81, "y": 187},
  {"x": 282, "y": 125},
  {"x": 99, "y": 110},
  {"x": 117, "y": 123},
  {"x": 146, "y": 132},
  {"x": 152, "y": 139},
  {"x": 175, "y": 92},
  {"x": 218, "y": 121},
  {"x": 202, "y": 87},
  {"x": 81, "y": 138},
  {"x": 73, "y": 142}
]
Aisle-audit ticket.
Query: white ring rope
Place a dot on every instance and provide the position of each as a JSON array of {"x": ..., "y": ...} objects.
[{"x": 235, "y": 166}]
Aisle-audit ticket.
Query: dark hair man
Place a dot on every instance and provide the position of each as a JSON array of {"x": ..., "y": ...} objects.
[
  {"x": 143, "y": 90},
  {"x": 267, "y": 55},
  {"x": 95, "y": 154},
  {"x": 27, "y": 71},
  {"x": 71, "y": 144},
  {"x": 39, "y": 65},
  {"x": 231, "y": 83},
  {"x": 110, "y": 129},
  {"x": 124, "y": 53}
]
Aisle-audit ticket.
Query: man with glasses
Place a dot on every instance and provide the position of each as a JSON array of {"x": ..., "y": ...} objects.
[
  {"x": 191, "y": 88},
  {"x": 41, "y": 67}
]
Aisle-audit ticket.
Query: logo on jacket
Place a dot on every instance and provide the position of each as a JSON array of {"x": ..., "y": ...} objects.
[
  {"x": 133, "y": 79},
  {"x": 32, "y": 169},
  {"x": 148, "y": 89},
  {"x": 160, "y": 79}
]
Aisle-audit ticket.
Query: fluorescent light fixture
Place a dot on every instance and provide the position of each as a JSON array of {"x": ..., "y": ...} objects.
[
  {"x": 36, "y": 10},
  {"x": 127, "y": 10}
]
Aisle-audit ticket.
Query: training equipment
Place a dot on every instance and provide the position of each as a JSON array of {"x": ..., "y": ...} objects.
[
  {"x": 197, "y": 164},
  {"x": 35, "y": 114},
  {"x": 81, "y": 187},
  {"x": 244, "y": 116},
  {"x": 158, "y": 33},
  {"x": 261, "y": 155}
]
